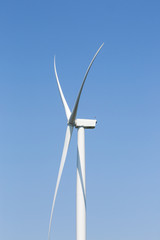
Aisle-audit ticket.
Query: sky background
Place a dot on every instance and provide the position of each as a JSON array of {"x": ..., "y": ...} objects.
[{"x": 122, "y": 91}]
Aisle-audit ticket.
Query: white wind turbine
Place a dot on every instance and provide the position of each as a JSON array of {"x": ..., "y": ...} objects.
[{"x": 80, "y": 124}]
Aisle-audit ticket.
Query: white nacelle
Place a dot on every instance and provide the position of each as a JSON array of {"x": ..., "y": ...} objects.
[{"x": 86, "y": 123}]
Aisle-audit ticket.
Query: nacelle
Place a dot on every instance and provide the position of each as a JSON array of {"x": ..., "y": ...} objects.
[{"x": 86, "y": 123}]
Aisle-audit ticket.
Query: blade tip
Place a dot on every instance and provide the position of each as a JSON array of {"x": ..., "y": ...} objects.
[{"x": 102, "y": 45}]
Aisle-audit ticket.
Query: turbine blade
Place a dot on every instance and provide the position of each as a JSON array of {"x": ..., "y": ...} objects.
[
  {"x": 67, "y": 110},
  {"x": 63, "y": 158},
  {"x": 74, "y": 112}
]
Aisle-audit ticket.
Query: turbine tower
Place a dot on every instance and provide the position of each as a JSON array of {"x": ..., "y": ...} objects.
[{"x": 81, "y": 125}]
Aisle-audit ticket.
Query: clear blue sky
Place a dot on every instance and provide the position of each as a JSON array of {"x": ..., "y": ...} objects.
[{"x": 123, "y": 92}]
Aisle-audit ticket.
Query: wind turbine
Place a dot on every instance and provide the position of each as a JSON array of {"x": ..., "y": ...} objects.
[{"x": 81, "y": 125}]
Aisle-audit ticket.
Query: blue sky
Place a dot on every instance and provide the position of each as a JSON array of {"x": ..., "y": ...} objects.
[{"x": 121, "y": 91}]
